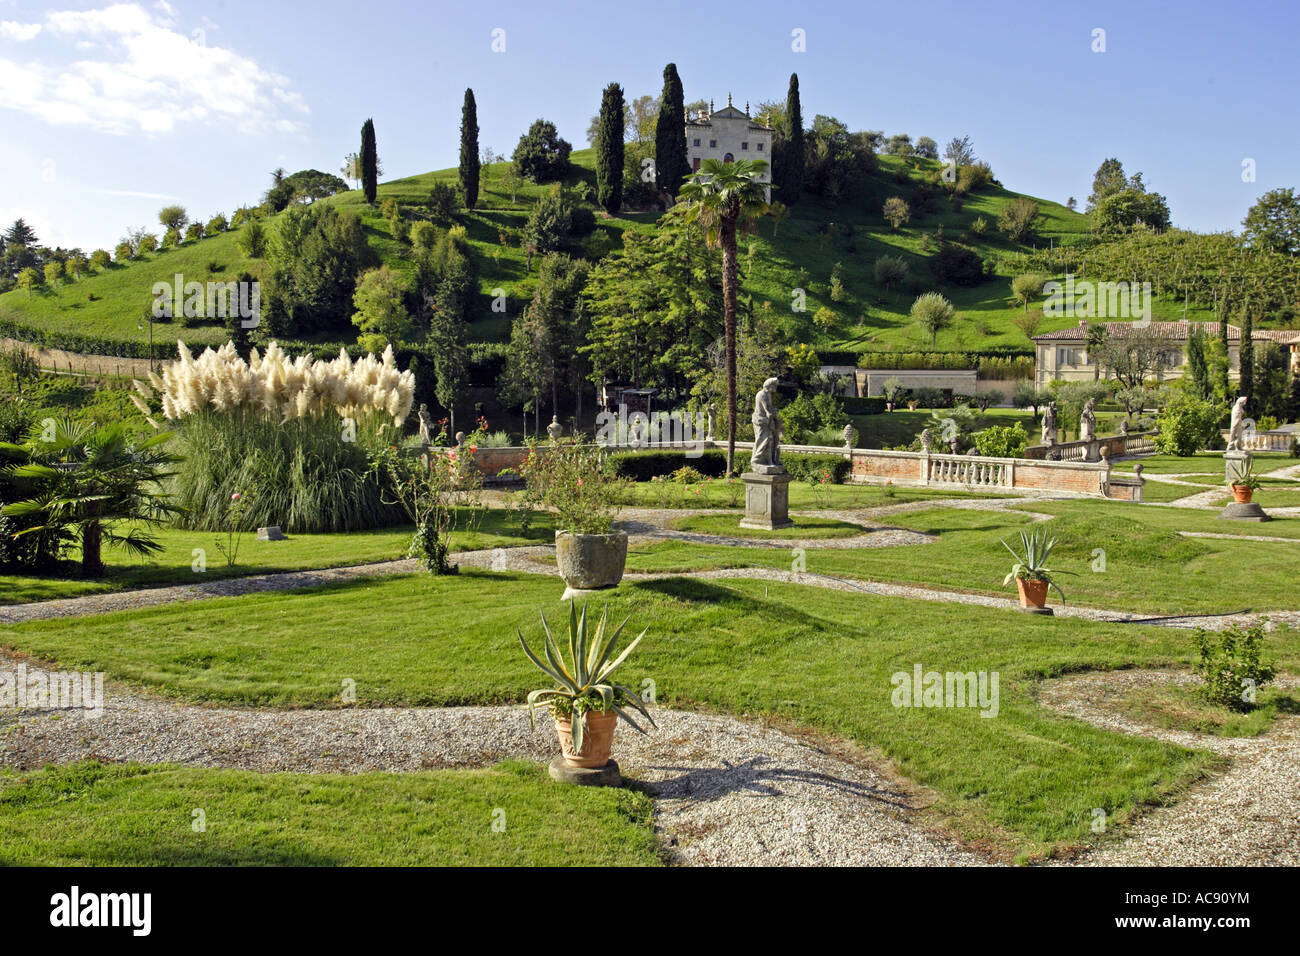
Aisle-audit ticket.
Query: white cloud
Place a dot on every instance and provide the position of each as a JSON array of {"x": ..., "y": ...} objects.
[
  {"x": 9, "y": 30},
  {"x": 130, "y": 71}
]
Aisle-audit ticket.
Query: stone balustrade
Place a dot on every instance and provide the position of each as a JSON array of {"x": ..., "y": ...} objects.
[
  {"x": 1107, "y": 446},
  {"x": 1274, "y": 440}
]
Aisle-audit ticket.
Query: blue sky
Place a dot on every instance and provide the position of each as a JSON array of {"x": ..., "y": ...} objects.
[{"x": 109, "y": 111}]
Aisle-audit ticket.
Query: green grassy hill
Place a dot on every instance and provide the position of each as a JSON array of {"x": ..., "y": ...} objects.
[{"x": 799, "y": 252}]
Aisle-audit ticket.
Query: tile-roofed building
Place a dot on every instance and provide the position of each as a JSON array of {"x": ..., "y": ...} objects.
[
  {"x": 1063, "y": 354},
  {"x": 728, "y": 135}
]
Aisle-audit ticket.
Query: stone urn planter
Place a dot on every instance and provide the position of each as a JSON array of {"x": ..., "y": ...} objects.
[
  {"x": 588, "y": 562},
  {"x": 597, "y": 738},
  {"x": 889, "y": 406},
  {"x": 1242, "y": 494},
  {"x": 1032, "y": 593},
  {"x": 911, "y": 406}
]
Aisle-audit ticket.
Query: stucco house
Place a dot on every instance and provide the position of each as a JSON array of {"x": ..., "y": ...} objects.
[
  {"x": 728, "y": 135},
  {"x": 1063, "y": 355}
]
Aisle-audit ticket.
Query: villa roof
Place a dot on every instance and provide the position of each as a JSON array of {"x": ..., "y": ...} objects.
[{"x": 1173, "y": 330}]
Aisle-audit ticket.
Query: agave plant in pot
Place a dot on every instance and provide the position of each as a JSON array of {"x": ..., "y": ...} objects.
[
  {"x": 1030, "y": 572},
  {"x": 585, "y": 702},
  {"x": 1245, "y": 484},
  {"x": 569, "y": 479}
]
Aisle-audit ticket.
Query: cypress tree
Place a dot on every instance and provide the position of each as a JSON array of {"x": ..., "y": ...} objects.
[
  {"x": 1247, "y": 353},
  {"x": 790, "y": 168},
  {"x": 369, "y": 161},
  {"x": 1227, "y": 355},
  {"x": 469, "y": 161},
  {"x": 671, "y": 166},
  {"x": 1197, "y": 369},
  {"x": 609, "y": 150}
]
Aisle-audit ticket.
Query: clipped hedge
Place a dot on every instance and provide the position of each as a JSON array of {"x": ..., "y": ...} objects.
[
  {"x": 804, "y": 466},
  {"x": 712, "y": 463},
  {"x": 873, "y": 405}
]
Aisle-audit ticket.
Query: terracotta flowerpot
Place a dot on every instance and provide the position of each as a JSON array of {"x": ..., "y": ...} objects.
[
  {"x": 597, "y": 738},
  {"x": 911, "y": 406},
  {"x": 889, "y": 406},
  {"x": 590, "y": 561},
  {"x": 1032, "y": 593},
  {"x": 1242, "y": 494}
]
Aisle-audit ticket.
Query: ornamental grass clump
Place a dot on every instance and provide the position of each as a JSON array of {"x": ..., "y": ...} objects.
[{"x": 300, "y": 431}]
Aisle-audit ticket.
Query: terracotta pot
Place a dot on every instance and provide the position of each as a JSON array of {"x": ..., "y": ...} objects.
[
  {"x": 597, "y": 738},
  {"x": 911, "y": 406},
  {"x": 889, "y": 406},
  {"x": 1032, "y": 593},
  {"x": 1242, "y": 494},
  {"x": 589, "y": 561}
]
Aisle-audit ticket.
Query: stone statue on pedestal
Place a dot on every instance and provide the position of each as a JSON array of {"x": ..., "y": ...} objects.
[
  {"x": 712, "y": 428},
  {"x": 554, "y": 429},
  {"x": 1049, "y": 424},
  {"x": 927, "y": 440},
  {"x": 426, "y": 425},
  {"x": 766, "y": 457},
  {"x": 850, "y": 437},
  {"x": 1088, "y": 421},
  {"x": 1237, "y": 425}
]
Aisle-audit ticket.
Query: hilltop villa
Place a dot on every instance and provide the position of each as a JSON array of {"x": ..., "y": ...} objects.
[
  {"x": 1063, "y": 354},
  {"x": 728, "y": 135}
]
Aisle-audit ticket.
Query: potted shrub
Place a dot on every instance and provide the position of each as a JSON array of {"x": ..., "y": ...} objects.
[
  {"x": 584, "y": 702},
  {"x": 1244, "y": 485},
  {"x": 1032, "y": 575},
  {"x": 891, "y": 389},
  {"x": 568, "y": 478}
]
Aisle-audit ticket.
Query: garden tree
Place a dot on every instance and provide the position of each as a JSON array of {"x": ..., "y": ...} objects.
[
  {"x": 237, "y": 332},
  {"x": 891, "y": 271},
  {"x": 641, "y": 117},
  {"x": 28, "y": 278},
  {"x": 609, "y": 150},
  {"x": 836, "y": 161},
  {"x": 1070, "y": 398},
  {"x": 452, "y": 311},
  {"x": 1246, "y": 353},
  {"x": 217, "y": 224},
  {"x": 960, "y": 151},
  {"x": 671, "y": 166},
  {"x": 927, "y": 148},
  {"x": 1016, "y": 221},
  {"x": 351, "y": 169},
  {"x": 550, "y": 224},
  {"x": 1025, "y": 287},
  {"x": 1135, "y": 399},
  {"x": 381, "y": 313},
  {"x": 20, "y": 234},
  {"x": 123, "y": 253},
  {"x": 252, "y": 240},
  {"x": 526, "y": 372},
  {"x": 511, "y": 179},
  {"x": 1028, "y": 322},
  {"x": 442, "y": 202},
  {"x": 1271, "y": 382},
  {"x": 1094, "y": 337},
  {"x": 1187, "y": 424},
  {"x": 100, "y": 258},
  {"x": 1108, "y": 179},
  {"x": 445, "y": 269},
  {"x": 541, "y": 154},
  {"x": 1198, "y": 370},
  {"x": 895, "y": 211},
  {"x": 1072, "y": 204},
  {"x": 933, "y": 313},
  {"x": 900, "y": 144},
  {"x": 1223, "y": 367},
  {"x": 1274, "y": 222},
  {"x": 1131, "y": 352},
  {"x": 193, "y": 233},
  {"x": 369, "y": 161},
  {"x": 308, "y": 185},
  {"x": 173, "y": 217},
  {"x": 469, "y": 158},
  {"x": 779, "y": 213},
  {"x": 654, "y": 308},
  {"x": 725, "y": 198},
  {"x": 1293, "y": 402},
  {"x": 758, "y": 358},
  {"x": 53, "y": 272},
  {"x": 553, "y": 326},
  {"x": 1026, "y": 394},
  {"x": 98, "y": 484},
  {"x": 790, "y": 154},
  {"x": 1127, "y": 208},
  {"x": 315, "y": 261}
]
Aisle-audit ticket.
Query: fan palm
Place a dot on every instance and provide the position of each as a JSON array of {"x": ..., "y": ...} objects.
[
  {"x": 725, "y": 198},
  {"x": 89, "y": 478}
]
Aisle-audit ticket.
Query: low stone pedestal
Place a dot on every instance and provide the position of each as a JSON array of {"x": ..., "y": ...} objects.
[
  {"x": 606, "y": 776},
  {"x": 767, "y": 501},
  {"x": 1244, "y": 511},
  {"x": 1235, "y": 465},
  {"x": 271, "y": 533},
  {"x": 1037, "y": 610}
]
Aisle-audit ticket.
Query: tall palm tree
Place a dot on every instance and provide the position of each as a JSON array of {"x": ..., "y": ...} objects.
[
  {"x": 726, "y": 198},
  {"x": 97, "y": 482}
]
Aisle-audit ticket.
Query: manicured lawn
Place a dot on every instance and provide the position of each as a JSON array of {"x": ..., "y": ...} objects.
[
  {"x": 1204, "y": 462},
  {"x": 646, "y": 494},
  {"x": 92, "y": 814},
  {"x": 1025, "y": 780},
  {"x": 1165, "y": 491},
  {"x": 1148, "y": 567},
  {"x": 803, "y": 527},
  {"x": 177, "y": 564}
]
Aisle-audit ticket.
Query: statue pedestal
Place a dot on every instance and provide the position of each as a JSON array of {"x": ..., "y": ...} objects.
[
  {"x": 767, "y": 501},
  {"x": 1244, "y": 511},
  {"x": 1235, "y": 465},
  {"x": 1093, "y": 452}
]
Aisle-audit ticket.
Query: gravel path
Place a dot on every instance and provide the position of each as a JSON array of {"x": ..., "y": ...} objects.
[
  {"x": 1247, "y": 816},
  {"x": 726, "y": 791}
]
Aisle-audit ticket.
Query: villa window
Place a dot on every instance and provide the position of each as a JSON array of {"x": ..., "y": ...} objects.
[
  {"x": 1070, "y": 358},
  {"x": 713, "y": 144},
  {"x": 744, "y": 146},
  {"x": 759, "y": 147},
  {"x": 695, "y": 142}
]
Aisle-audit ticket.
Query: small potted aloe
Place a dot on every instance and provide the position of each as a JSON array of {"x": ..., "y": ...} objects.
[
  {"x": 1245, "y": 484},
  {"x": 584, "y": 702},
  {"x": 1030, "y": 572}
]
